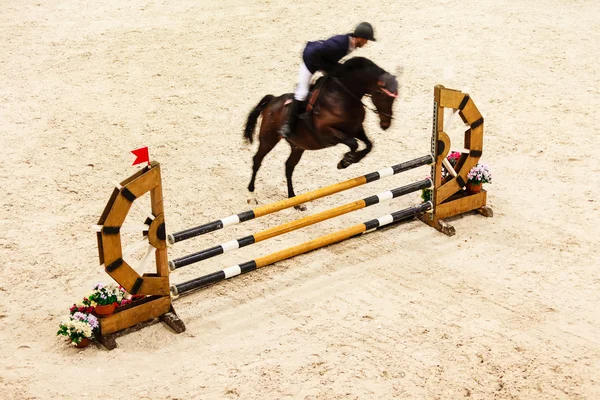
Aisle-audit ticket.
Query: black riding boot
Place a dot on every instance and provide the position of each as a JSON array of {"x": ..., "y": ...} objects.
[{"x": 287, "y": 129}]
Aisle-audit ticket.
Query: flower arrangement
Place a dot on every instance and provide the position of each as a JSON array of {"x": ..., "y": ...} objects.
[
  {"x": 479, "y": 174},
  {"x": 79, "y": 328},
  {"x": 453, "y": 158},
  {"x": 125, "y": 301},
  {"x": 82, "y": 308},
  {"x": 104, "y": 295},
  {"x": 83, "y": 321}
]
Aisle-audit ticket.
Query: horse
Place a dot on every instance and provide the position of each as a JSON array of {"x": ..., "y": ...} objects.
[{"x": 337, "y": 116}]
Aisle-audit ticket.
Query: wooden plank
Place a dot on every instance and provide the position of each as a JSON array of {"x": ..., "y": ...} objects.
[
  {"x": 461, "y": 161},
  {"x": 108, "y": 206},
  {"x": 156, "y": 199},
  {"x": 111, "y": 244},
  {"x": 439, "y": 119},
  {"x": 155, "y": 286},
  {"x": 112, "y": 251},
  {"x": 461, "y": 205},
  {"x": 437, "y": 135},
  {"x": 139, "y": 173},
  {"x": 135, "y": 315},
  {"x": 156, "y": 194},
  {"x": 124, "y": 274},
  {"x": 162, "y": 263},
  {"x": 127, "y": 277},
  {"x": 118, "y": 212},
  {"x": 100, "y": 247},
  {"x": 469, "y": 163},
  {"x": 446, "y": 190},
  {"x": 450, "y": 98},
  {"x": 474, "y": 138},
  {"x": 470, "y": 112},
  {"x": 144, "y": 183}
]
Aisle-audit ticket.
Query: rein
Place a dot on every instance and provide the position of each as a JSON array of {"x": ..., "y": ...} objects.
[{"x": 375, "y": 110}]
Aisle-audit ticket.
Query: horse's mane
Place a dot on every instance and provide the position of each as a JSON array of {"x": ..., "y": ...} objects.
[
  {"x": 364, "y": 64},
  {"x": 354, "y": 64}
]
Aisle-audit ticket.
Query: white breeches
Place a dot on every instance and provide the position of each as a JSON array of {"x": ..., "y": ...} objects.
[{"x": 304, "y": 76}]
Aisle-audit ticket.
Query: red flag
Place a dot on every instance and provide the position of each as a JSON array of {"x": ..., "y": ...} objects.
[{"x": 141, "y": 155}]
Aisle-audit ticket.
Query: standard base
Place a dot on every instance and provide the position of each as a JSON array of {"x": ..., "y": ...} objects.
[
  {"x": 173, "y": 321},
  {"x": 456, "y": 205},
  {"x": 137, "y": 315}
]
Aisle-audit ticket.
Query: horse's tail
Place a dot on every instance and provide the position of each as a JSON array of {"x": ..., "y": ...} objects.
[{"x": 253, "y": 117}]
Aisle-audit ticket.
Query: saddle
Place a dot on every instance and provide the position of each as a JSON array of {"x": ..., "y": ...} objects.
[
  {"x": 315, "y": 90},
  {"x": 312, "y": 107}
]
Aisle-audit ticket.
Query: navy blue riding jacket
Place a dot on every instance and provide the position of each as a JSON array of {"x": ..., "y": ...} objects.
[{"x": 325, "y": 54}]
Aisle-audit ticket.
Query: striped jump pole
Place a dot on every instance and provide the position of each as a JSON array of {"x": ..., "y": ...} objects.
[
  {"x": 302, "y": 198},
  {"x": 322, "y": 241},
  {"x": 298, "y": 224}
]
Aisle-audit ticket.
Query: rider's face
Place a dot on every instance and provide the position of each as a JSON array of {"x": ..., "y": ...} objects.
[{"x": 360, "y": 42}]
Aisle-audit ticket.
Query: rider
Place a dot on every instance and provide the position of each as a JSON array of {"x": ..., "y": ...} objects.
[{"x": 323, "y": 55}]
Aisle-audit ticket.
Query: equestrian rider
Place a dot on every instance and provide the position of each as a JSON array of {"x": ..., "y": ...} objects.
[{"x": 323, "y": 55}]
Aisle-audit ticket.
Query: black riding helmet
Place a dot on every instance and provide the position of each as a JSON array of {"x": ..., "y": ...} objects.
[{"x": 364, "y": 30}]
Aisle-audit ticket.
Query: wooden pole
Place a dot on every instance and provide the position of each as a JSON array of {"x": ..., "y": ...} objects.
[
  {"x": 297, "y": 224},
  {"x": 322, "y": 241},
  {"x": 302, "y": 198}
]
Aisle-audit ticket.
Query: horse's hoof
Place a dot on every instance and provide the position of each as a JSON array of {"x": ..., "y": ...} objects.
[
  {"x": 343, "y": 164},
  {"x": 351, "y": 157},
  {"x": 300, "y": 207},
  {"x": 251, "y": 188}
]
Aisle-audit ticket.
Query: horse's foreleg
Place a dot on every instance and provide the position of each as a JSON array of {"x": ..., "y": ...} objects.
[
  {"x": 290, "y": 164},
  {"x": 349, "y": 158},
  {"x": 268, "y": 140},
  {"x": 362, "y": 136}
]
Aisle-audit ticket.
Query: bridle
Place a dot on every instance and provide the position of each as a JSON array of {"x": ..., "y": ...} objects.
[{"x": 375, "y": 110}]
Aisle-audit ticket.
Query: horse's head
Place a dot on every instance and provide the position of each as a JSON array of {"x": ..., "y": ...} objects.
[
  {"x": 383, "y": 96},
  {"x": 361, "y": 75}
]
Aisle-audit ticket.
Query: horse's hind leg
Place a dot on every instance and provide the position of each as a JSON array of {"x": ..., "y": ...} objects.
[
  {"x": 290, "y": 164},
  {"x": 268, "y": 140}
]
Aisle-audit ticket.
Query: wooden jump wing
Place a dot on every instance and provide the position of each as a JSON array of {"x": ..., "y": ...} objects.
[
  {"x": 448, "y": 196},
  {"x": 155, "y": 285}
]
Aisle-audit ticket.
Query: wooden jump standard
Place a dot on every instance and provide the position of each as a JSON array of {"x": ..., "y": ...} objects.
[
  {"x": 448, "y": 200},
  {"x": 297, "y": 224}
]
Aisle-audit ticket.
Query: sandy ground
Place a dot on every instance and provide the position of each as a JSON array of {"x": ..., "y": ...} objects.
[{"x": 508, "y": 308}]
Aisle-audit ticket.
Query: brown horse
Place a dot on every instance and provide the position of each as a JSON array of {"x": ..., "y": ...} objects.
[{"x": 337, "y": 116}]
